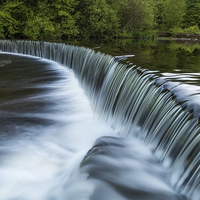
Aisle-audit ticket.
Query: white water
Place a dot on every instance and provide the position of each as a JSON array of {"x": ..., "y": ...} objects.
[
  {"x": 38, "y": 161},
  {"x": 71, "y": 118},
  {"x": 42, "y": 162}
]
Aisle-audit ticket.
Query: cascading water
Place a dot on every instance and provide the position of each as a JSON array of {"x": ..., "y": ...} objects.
[{"x": 135, "y": 102}]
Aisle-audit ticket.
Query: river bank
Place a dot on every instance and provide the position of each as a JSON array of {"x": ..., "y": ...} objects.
[{"x": 180, "y": 36}]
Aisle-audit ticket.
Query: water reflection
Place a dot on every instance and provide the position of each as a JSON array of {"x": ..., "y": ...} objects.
[{"x": 179, "y": 58}]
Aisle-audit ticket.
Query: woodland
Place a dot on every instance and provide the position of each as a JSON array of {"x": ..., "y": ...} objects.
[{"x": 63, "y": 19}]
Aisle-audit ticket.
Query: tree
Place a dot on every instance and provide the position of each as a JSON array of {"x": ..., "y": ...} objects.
[
  {"x": 192, "y": 15},
  {"x": 65, "y": 17},
  {"x": 137, "y": 16},
  {"x": 173, "y": 13},
  {"x": 1, "y": 26},
  {"x": 56, "y": 19},
  {"x": 39, "y": 24},
  {"x": 14, "y": 16},
  {"x": 98, "y": 19}
]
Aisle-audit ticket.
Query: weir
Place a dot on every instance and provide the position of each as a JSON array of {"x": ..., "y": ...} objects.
[{"x": 135, "y": 102}]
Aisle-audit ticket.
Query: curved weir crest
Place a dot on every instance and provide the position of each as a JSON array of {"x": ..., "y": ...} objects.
[{"x": 136, "y": 102}]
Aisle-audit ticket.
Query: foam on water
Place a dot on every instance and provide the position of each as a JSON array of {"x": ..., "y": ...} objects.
[
  {"x": 134, "y": 101},
  {"x": 54, "y": 160},
  {"x": 38, "y": 161}
]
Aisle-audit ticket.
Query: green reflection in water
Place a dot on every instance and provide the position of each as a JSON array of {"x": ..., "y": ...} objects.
[
  {"x": 162, "y": 55},
  {"x": 176, "y": 60}
]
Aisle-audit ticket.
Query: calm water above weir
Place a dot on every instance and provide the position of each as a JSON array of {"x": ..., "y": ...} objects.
[
  {"x": 175, "y": 60},
  {"x": 103, "y": 132}
]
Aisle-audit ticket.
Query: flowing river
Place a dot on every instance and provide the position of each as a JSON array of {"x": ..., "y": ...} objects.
[{"x": 77, "y": 125}]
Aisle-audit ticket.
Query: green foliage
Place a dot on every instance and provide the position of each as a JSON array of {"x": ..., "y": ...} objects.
[
  {"x": 145, "y": 35},
  {"x": 14, "y": 15},
  {"x": 173, "y": 12},
  {"x": 193, "y": 29},
  {"x": 137, "y": 16},
  {"x": 97, "y": 18},
  {"x": 2, "y": 36},
  {"x": 8, "y": 23},
  {"x": 1, "y": 26},
  {"x": 57, "y": 19},
  {"x": 39, "y": 28},
  {"x": 39, "y": 24},
  {"x": 65, "y": 17},
  {"x": 175, "y": 31},
  {"x": 192, "y": 14}
]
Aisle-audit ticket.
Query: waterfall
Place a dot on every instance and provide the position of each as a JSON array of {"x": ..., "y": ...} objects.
[{"x": 135, "y": 102}]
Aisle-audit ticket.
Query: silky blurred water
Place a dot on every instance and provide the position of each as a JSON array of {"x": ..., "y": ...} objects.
[
  {"x": 47, "y": 127},
  {"x": 53, "y": 147}
]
